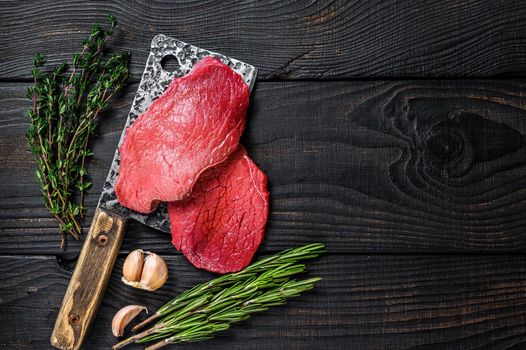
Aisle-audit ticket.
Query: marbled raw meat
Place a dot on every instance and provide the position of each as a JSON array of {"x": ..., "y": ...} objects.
[
  {"x": 221, "y": 224},
  {"x": 193, "y": 126}
]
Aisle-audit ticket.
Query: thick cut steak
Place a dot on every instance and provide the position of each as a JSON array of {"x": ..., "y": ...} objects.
[
  {"x": 220, "y": 226},
  {"x": 193, "y": 126}
]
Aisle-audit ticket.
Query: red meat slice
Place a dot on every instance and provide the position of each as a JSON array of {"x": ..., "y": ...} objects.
[
  {"x": 193, "y": 126},
  {"x": 220, "y": 226}
]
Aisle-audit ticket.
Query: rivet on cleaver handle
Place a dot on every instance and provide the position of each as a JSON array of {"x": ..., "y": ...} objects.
[{"x": 87, "y": 285}]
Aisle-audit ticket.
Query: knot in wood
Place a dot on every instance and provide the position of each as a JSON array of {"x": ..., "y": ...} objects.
[{"x": 444, "y": 144}]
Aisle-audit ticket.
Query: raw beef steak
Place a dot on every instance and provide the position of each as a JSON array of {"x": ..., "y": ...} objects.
[
  {"x": 193, "y": 126},
  {"x": 220, "y": 226}
]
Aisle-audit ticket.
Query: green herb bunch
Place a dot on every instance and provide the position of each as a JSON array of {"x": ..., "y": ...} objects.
[
  {"x": 66, "y": 107},
  {"x": 208, "y": 308}
]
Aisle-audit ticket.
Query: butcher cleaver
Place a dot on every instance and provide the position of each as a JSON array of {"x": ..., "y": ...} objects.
[{"x": 102, "y": 244}]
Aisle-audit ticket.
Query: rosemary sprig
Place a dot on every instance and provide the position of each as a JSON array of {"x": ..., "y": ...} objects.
[
  {"x": 201, "y": 312},
  {"x": 224, "y": 318},
  {"x": 289, "y": 256},
  {"x": 65, "y": 112}
]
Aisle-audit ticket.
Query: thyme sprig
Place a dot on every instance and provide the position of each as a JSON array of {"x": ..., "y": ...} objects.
[
  {"x": 66, "y": 108},
  {"x": 202, "y": 311}
]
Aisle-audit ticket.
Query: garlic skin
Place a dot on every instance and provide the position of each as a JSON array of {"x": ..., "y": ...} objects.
[
  {"x": 149, "y": 274},
  {"x": 154, "y": 273},
  {"x": 132, "y": 268},
  {"x": 123, "y": 317}
]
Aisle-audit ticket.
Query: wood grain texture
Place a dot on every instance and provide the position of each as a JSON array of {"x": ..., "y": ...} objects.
[
  {"x": 409, "y": 166},
  {"x": 363, "y": 302},
  {"x": 89, "y": 280},
  {"x": 287, "y": 40},
  {"x": 368, "y": 167}
]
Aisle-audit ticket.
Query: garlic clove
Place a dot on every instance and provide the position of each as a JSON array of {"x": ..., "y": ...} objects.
[
  {"x": 149, "y": 274},
  {"x": 133, "y": 265},
  {"x": 154, "y": 273},
  {"x": 123, "y": 317}
]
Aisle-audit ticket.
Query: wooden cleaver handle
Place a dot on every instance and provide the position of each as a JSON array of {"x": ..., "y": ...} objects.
[{"x": 89, "y": 280}]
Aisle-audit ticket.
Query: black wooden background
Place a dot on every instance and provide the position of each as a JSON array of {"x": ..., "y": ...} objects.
[{"x": 392, "y": 131}]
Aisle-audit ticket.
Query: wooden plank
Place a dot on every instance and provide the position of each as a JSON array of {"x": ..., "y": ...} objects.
[
  {"x": 363, "y": 302},
  {"x": 365, "y": 166},
  {"x": 287, "y": 40}
]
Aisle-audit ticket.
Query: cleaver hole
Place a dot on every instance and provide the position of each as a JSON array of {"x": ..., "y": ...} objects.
[{"x": 169, "y": 63}]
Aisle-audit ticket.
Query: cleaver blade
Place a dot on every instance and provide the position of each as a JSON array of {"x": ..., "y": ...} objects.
[{"x": 153, "y": 83}]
